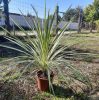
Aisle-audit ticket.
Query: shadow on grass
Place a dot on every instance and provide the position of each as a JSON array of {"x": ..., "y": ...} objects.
[
  {"x": 62, "y": 92},
  {"x": 76, "y": 54}
]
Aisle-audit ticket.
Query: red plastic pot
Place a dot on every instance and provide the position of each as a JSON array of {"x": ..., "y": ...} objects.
[{"x": 43, "y": 82}]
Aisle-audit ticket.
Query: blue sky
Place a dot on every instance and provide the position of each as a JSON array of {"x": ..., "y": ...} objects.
[{"x": 24, "y": 5}]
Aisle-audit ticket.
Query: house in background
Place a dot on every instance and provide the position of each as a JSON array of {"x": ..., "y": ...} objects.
[
  {"x": 27, "y": 22},
  {"x": 70, "y": 26},
  {"x": 21, "y": 20}
]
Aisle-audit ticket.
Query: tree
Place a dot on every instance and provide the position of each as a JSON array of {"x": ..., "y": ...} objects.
[
  {"x": 97, "y": 25},
  {"x": 69, "y": 14},
  {"x": 76, "y": 14},
  {"x": 92, "y": 13},
  {"x": 96, "y": 5},
  {"x": 89, "y": 13},
  {"x": 72, "y": 12}
]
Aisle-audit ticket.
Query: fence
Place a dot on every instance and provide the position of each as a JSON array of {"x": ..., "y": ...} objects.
[
  {"x": 15, "y": 9},
  {"x": 24, "y": 6}
]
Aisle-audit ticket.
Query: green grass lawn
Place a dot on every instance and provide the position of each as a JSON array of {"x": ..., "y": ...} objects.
[{"x": 83, "y": 41}]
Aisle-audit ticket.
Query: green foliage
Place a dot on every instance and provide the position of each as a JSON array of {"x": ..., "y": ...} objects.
[
  {"x": 97, "y": 25},
  {"x": 92, "y": 11},
  {"x": 89, "y": 13},
  {"x": 72, "y": 12},
  {"x": 96, "y": 5},
  {"x": 69, "y": 14}
]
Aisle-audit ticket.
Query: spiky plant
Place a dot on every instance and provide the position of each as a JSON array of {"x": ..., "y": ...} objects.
[{"x": 44, "y": 51}]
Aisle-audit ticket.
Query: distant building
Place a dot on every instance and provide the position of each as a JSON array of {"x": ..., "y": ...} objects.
[
  {"x": 70, "y": 25},
  {"x": 21, "y": 20},
  {"x": 27, "y": 22}
]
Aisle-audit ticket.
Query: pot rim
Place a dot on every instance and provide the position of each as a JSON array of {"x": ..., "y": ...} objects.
[{"x": 43, "y": 77}]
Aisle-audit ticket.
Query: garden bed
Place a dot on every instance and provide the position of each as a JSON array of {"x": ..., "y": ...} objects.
[{"x": 26, "y": 89}]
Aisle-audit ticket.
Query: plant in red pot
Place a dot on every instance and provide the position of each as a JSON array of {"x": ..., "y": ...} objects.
[
  {"x": 42, "y": 80},
  {"x": 44, "y": 51}
]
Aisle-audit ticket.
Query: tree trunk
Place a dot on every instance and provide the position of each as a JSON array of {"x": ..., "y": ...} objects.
[{"x": 91, "y": 26}]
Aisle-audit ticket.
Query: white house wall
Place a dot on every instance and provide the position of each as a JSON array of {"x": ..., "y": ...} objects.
[
  {"x": 73, "y": 26},
  {"x": 20, "y": 20},
  {"x": 2, "y": 21}
]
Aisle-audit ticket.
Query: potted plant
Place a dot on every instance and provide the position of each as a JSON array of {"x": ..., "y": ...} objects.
[{"x": 44, "y": 51}]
